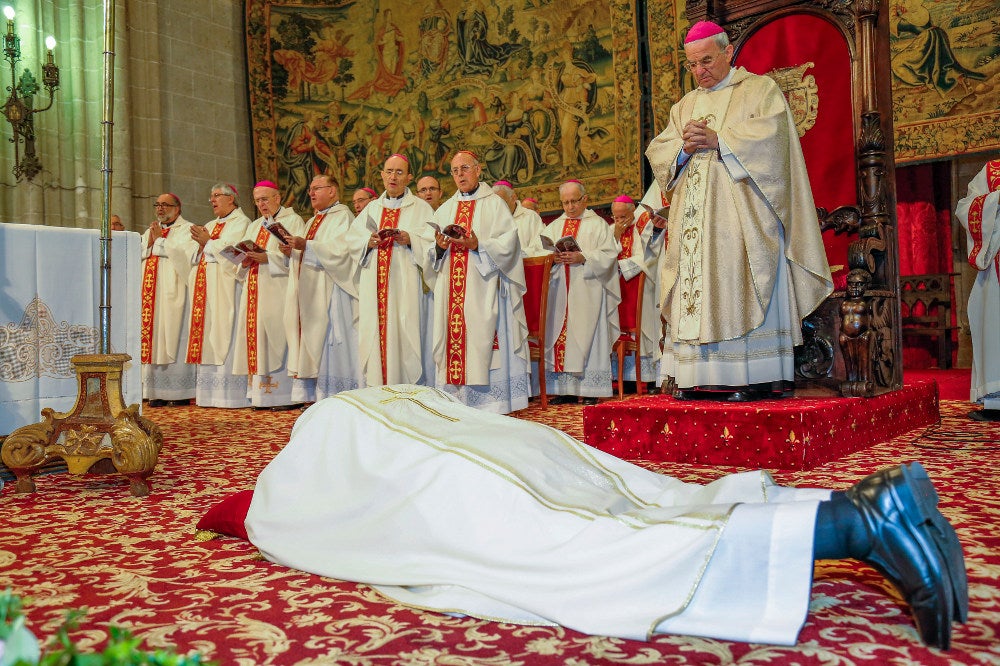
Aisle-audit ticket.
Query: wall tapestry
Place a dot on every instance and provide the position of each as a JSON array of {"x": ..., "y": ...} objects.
[
  {"x": 666, "y": 25},
  {"x": 945, "y": 77},
  {"x": 541, "y": 90}
]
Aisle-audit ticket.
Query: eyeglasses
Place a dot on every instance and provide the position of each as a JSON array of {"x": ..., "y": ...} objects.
[
  {"x": 465, "y": 168},
  {"x": 364, "y": 197},
  {"x": 394, "y": 172},
  {"x": 313, "y": 190},
  {"x": 425, "y": 190},
  {"x": 704, "y": 63},
  {"x": 572, "y": 202},
  {"x": 160, "y": 204},
  {"x": 260, "y": 200},
  {"x": 216, "y": 195}
]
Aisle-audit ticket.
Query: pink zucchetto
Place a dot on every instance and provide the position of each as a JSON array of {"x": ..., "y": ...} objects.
[
  {"x": 531, "y": 199},
  {"x": 574, "y": 180},
  {"x": 504, "y": 183},
  {"x": 701, "y": 30},
  {"x": 266, "y": 183},
  {"x": 370, "y": 191},
  {"x": 402, "y": 157},
  {"x": 233, "y": 188},
  {"x": 624, "y": 198},
  {"x": 176, "y": 198}
]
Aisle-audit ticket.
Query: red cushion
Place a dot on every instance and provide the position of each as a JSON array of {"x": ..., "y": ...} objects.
[{"x": 227, "y": 517}]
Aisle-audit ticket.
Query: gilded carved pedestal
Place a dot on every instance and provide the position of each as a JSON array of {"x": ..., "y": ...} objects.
[{"x": 99, "y": 435}]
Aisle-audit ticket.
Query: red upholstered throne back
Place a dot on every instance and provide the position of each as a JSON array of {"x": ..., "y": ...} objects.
[{"x": 811, "y": 60}]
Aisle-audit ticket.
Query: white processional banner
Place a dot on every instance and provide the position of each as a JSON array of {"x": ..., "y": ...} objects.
[{"x": 49, "y": 312}]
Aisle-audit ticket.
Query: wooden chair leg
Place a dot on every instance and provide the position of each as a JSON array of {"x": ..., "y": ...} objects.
[
  {"x": 640, "y": 386},
  {"x": 620, "y": 351}
]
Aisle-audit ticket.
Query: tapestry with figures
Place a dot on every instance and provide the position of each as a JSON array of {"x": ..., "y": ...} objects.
[
  {"x": 945, "y": 77},
  {"x": 541, "y": 91}
]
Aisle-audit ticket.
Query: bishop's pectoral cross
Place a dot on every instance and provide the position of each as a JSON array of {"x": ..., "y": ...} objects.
[{"x": 408, "y": 396}]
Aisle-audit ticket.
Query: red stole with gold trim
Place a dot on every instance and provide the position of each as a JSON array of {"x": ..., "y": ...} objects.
[
  {"x": 976, "y": 215},
  {"x": 570, "y": 228},
  {"x": 149, "y": 304},
  {"x": 199, "y": 297},
  {"x": 390, "y": 220},
  {"x": 252, "y": 297},
  {"x": 455, "y": 348}
]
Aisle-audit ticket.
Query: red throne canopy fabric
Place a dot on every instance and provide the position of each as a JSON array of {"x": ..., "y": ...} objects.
[{"x": 810, "y": 43}]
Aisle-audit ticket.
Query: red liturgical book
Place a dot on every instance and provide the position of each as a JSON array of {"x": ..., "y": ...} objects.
[
  {"x": 452, "y": 230},
  {"x": 564, "y": 244}
]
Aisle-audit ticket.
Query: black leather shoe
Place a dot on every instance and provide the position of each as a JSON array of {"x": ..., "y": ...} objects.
[
  {"x": 286, "y": 408},
  {"x": 743, "y": 396},
  {"x": 683, "y": 394},
  {"x": 915, "y": 547},
  {"x": 985, "y": 415},
  {"x": 157, "y": 403}
]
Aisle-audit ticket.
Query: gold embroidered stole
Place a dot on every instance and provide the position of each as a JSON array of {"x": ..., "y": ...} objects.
[
  {"x": 199, "y": 296},
  {"x": 252, "y": 298},
  {"x": 390, "y": 220},
  {"x": 149, "y": 272},
  {"x": 570, "y": 228},
  {"x": 311, "y": 235},
  {"x": 711, "y": 107},
  {"x": 455, "y": 344}
]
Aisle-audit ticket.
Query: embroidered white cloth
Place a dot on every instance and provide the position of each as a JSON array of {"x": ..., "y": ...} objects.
[{"x": 49, "y": 313}]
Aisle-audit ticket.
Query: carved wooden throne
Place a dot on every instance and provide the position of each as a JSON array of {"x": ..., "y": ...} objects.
[{"x": 831, "y": 58}]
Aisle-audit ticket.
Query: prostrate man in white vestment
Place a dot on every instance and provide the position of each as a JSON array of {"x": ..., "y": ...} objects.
[
  {"x": 633, "y": 233},
  {"x": 531, "y": 203},
  {"x": 583, "y": 307},
  {"x": 215, "y": 294},
  {"x": 744, "y": 261},
  {"x": 480, "y": 332},
  {"x": 979, "y": 213},
  {"x": 261, "y": 346},
  {"x": 321, "y": 314},
  {"x": 396, "y": 319},
  {"x": 167, "y": 253},
  {"x": 528, "y": 222},
  {"x": 429, "y": 189},
  {"x": 370, "y": 489}
]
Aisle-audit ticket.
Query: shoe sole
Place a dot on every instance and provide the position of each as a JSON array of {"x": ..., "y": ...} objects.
[{"x": 943, "y": 536}]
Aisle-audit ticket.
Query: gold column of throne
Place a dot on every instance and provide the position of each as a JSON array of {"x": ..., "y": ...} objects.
[{"x": 99, "y": 435}]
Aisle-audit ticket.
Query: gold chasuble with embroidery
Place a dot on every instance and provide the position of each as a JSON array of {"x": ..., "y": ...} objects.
[{"x": 725, "y": 229}]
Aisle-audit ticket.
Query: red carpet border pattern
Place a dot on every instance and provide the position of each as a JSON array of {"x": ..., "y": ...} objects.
[{"x": 85, "y": 542}]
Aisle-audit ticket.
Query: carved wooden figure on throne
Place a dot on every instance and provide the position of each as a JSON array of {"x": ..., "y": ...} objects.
[{"x": 856, "y": 336}]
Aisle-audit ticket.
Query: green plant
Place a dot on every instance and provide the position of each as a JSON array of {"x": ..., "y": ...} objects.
[{"x": 18, "y": 646}]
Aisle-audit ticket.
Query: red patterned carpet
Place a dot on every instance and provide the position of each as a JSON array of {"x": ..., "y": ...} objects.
[{"x": 136, "y": 563}]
